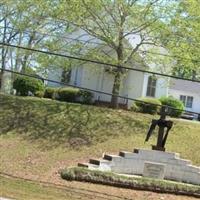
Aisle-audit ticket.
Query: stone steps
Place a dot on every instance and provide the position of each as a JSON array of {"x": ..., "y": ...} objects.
[{"x": 133, "y": 163}]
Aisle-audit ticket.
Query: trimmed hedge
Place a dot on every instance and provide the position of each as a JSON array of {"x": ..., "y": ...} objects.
[
  {"x": 141, "y": 183},
  {"x": 50, "y": 92},
  {"x": 39, "y": 94},
  {"x": 135, "y": 108},
  {"x": 86, "y": 96},
  {"x": 24, "y": 85},
  {"x": 174, "y": 103},
  {"x": 69, "y": 94},
  {"x": 148, "y": 108}
]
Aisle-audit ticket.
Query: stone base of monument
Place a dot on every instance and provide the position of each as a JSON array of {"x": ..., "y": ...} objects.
[{"x": 148, "y": 163}]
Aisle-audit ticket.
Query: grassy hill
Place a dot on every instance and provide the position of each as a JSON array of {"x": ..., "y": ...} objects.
[{"x": 38, "y": 137}]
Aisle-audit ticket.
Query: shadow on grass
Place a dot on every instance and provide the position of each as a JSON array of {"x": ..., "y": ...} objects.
[{"x": 65, "y": 123}]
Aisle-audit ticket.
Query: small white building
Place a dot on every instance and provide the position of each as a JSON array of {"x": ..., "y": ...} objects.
[
  {"x": 186, "y": 91},
  {"x": 134, "y": 84}
]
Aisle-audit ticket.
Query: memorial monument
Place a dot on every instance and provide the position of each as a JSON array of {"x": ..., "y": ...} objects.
[{"x": 155, "y": 163}]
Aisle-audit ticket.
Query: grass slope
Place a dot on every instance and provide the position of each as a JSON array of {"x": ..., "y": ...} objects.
[{"x": 38, "y": 137}]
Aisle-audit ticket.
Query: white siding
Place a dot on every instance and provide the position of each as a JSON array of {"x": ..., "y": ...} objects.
[
  {"x": 97, "y": 79},
  {"x": 161, "y": 86},
  {"x": 196, "y": 98},
  {"x": 76, "y": 76},
  {"x": 56, "y": 76},
  {"x": 134, "y": 85}
]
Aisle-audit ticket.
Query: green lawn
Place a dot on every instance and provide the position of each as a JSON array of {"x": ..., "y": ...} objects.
[
  {"x": 18, "y": 189},
  {"x": 38, "y": 137},
  {"x": 28, "y": 190}
]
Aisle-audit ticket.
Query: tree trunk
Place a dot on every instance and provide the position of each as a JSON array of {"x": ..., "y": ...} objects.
[
  {"x": 27, "y": 53},
  {"x": 2, "y": 68},
  {"x": 115, "y": 90},
  {"x": 120, "y": 58},
  {"x": 118, "y": 73},
  {"x": 1, "y": 78},
  {"x": 3, "y": 56},
  {"x": 117, "y": 77}
]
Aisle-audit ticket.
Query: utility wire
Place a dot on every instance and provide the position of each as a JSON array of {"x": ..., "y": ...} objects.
[
  {"x": 102, "y": 64},
  {"x": 104, "y": 44},
  {"x": 55, "y": 35},
  {"x": 82, "y": 40},
  {"x": 92, "y": 90}
]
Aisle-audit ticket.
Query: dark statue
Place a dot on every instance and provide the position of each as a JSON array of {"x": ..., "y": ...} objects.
[{"x": 162, "y": 123}]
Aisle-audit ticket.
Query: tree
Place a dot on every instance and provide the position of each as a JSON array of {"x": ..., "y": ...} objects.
[
  {"x": 7, "y": 36},
  {"x": 182, "y": 39},
  {"x": 113, "y": 22},
  {"x": 26, "y": 23}
]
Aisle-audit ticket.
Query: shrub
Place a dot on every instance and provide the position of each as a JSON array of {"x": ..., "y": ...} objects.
[
  {"x": 39, "y": 94},
  {"x": 134, "y": 108},
  {"x": 147, "y": 106},
  {"x": 24, "y": 85},
  {"x": 50, "y": 92},
  {"x": 174, "y": 103},
  {"x": 68, "y": 94},
  {"x": 86, "y": 96}
]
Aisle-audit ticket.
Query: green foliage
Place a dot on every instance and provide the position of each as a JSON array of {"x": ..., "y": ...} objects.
[
  {"x": 150, "y": 106},
  {"x": 86, "y": 96},
  {"x": 50, "y": 92},
  {"x": 185, "y": 25},
  {"x": 134, "y": 108},
  {"x": 174, "y": 103},
  {"x": 24, "y": 85},
  {"x": 68, "y": 94},
  {"x": 39, "y": 94},
  {"x": 97, "y": 19}
]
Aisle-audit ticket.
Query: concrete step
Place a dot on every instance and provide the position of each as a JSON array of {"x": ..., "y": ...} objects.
[
  {"x": 135, "y": 150},
  {"x": 83, "y": 165},
  {"x": 122, "y": 153},
  {"x": 180, "y": 161},
  {"x": 88, "y": 165},
  {"x": 94, "y": 161},
  {"x": 107, "y": 157},
  {"x": 192, "y": 168},
  {"x": 127, "y": 154},
  {"x": 110, "y": 158}
]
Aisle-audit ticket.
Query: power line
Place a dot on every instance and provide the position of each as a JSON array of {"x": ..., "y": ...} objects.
[
  {"x": 104, "y": 44},
  {"x": 82, "y": 40},
  {"x": 54, "y": 35},
  {"x": 92, "y": 90},
  {"x": 97, "y": 62}
]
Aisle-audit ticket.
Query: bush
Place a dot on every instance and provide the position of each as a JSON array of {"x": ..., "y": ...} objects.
[
  {"x": 24, "y": 85},
  {"x": 68, "y": 94},
  {"x": 50, "y": 92},
  {"x": 174, "y": 103},
  {"x": 86, "y": 96},
  {"x": 39, "y": 94},
  {"x": 134, "y": 108},
  {"x": 148, "y": 108}
]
